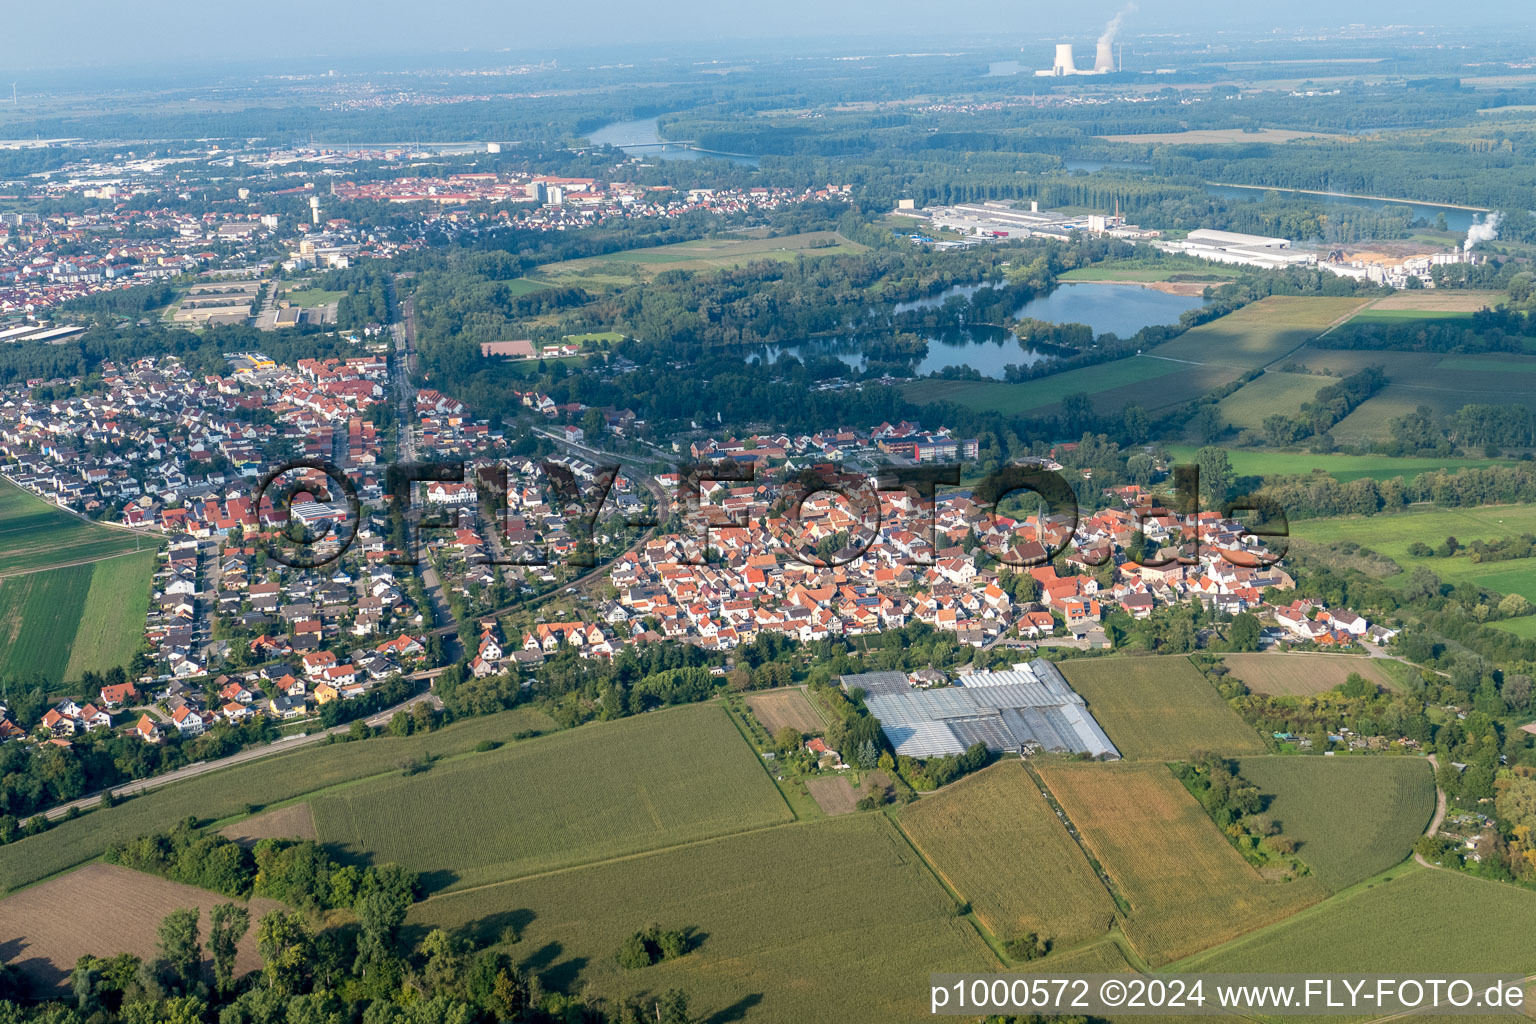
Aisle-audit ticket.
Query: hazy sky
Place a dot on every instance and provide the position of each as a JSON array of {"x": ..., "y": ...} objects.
[{"x": 73, "y": 33}]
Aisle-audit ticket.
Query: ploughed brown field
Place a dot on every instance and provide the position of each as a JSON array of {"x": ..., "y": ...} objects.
[
  {"x": 777, "y": 708},
  {"x": 103, "y": 910}
]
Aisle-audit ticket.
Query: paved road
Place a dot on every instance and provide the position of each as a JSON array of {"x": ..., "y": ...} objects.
[{"x": 280, "y": 746}]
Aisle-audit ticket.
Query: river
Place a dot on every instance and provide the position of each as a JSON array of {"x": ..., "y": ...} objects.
[{"x": 642, "y": 137}]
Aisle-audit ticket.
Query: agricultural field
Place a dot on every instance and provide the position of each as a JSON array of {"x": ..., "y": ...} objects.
[
  {"x": 1159, "y": 708},
  {"x": 295, "y": 821},
  {"x": 1259, "y": 333},
  {"x": 1424, "y": 919},
  {"x": 834, "y": 919},
  {"x": 1041, "y": 394},
  {"x": 1298, "y": 674},
  {"x": 602, "y": 791},
  {"x": 776, "y": 709},
  {"x": 995, "y": 840},
  {"x": 1344, "y": 468},
  {"x": 1438, "y": 300},
  {"x": 1210, "y": 274},
  {"x": 1187, "y": 887},
  {"x": 104, "y": 910},
  {"x": 1439, "y": 381},
  {"x": 834, "y": 794},
  {"x": 1197, "y": 361},
  {"x": 36, "y": 535},
  {"x": 39, "y": 613},
  {"x": 113, "y": 626},
  {"x": 1524, "y": 627},
  {"x": 1274, "y": 392},
  {"x": 700, "y": 254},
  {"x": 1351, "y": 817},
  {"x": 1391, "y": 536},
  {"x": 225, "y": 796}
]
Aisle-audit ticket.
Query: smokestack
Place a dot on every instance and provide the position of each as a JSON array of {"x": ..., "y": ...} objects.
[{"x": 1064, "y": 63}]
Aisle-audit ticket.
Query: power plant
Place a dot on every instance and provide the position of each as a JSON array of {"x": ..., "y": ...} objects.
[
  {"x": 1066, "y": 63},
  {"x": 1104, "y": 61}
]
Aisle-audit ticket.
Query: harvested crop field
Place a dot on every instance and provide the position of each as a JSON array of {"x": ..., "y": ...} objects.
[
  {"x": 1444, "y": 300},
  {"x": 834, "y": 919},
  {"x": 1351, "y": 817},
  {"x": 997, "y": 842},
  {"x": 296, "y": 821},
  {"x": 776, "y": 709},
  {"x": 1188, "y": 889},
  {"x": 604, "y": 790},
  {"x": 834, "y": 794},
  {"x": 104, "y": 910},
  {"x": 1159, "y": 708},
  {"x": 1299, "y": 674}
]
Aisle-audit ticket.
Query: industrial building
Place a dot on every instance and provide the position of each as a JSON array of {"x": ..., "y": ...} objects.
[
  {"x": 998, "y": 219},
  {"x": 1031, "y": 707},
  {"x": 1245, "y": 250}
]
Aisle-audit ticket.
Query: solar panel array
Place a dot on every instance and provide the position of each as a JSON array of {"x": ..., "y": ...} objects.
[{"x": 1030, "y": 707}]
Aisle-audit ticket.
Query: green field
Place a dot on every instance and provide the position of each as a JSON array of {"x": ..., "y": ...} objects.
[
  {"x": 308, "y": 298},
  {"x": 700, "y": 254},
  {"x": 834, "y": 919},
  {"x": 271, "y": 780},
  {"x": 1159, "y": 708},
  {"x": 37, "y": 535},
  {"x": 115, "y": 607},
  {"x": 39, "y": 613},
  {"x": 1351, "y": 817},
  {"x": 1187, "y": 887},
  {"x": 1524, "y": 627},
  {"x": 1259, "y": 333},
  {"x": 1190, "y": 365},
  {"x": 1395, "y": 315},
  {"x": 1423, "y": 920},
  {"x": 1391, "y": 535},
  {"x": 1274, "y": 392},
  {"x": 1444, "y": 383},
  {"x": 1250, "y": 462},
  {"x": 589, "y": 794},
  {"x": 996, "y": 841},
  {"x": 1041, "y": 394}
]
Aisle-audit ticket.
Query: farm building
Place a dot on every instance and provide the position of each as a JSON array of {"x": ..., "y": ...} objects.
[{"x": 1031, "y": 707}]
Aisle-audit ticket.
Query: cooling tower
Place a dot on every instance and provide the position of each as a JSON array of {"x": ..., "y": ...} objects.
[
  {"x": 1064, "y": 64},
  {"x": 1105, "y": 60}
]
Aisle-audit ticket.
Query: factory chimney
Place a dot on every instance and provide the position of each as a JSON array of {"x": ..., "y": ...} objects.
[{"x": 1064, "y": 63}]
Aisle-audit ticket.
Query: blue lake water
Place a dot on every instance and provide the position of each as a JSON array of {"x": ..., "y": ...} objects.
[
  {"x": 1107, "y": 308},
  {"x": 642, "y": 138}
]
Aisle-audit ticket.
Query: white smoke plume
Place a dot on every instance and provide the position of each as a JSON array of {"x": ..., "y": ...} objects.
[
  {"x": 1113, "y": 28},
  {"x": 1485, "y": 230}
]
